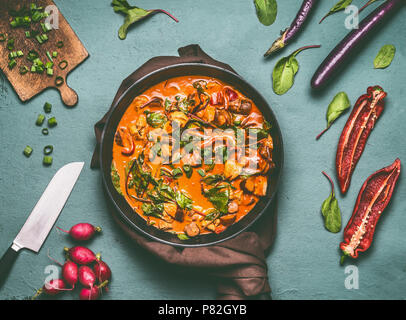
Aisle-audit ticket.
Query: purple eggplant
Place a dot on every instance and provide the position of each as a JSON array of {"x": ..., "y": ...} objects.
[
  {"x": 342, "y": 51},
  {"x": 295, "y": 27}
]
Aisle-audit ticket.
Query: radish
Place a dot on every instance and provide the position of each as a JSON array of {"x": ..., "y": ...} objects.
[
  {"x": 87, "y": 277},
  {"x": 102, "y": 271},
  {"x": 82, "y": 231},
  {"x": 52, "y": 288},
  {"x": 295, "y": 27},
  {"x": 70, "y": 273},
  {"x": 92, "y": 293},
  {"x": 81, "y": 255}
]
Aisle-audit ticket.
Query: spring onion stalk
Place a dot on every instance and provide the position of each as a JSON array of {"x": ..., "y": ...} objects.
[
  {"x": 27, "y": 151},
  {"x": 52, "y": 122},
  {"x": 40, "y": 120},
  {"x": 47, "y": 160},
  {"x": 47, "y": 107}
]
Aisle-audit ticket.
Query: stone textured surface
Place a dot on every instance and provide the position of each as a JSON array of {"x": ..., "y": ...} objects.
[{"x": 304, "y": 261}]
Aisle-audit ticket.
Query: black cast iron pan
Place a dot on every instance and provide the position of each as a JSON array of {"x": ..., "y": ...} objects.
[{"x": 106, "y": 146}]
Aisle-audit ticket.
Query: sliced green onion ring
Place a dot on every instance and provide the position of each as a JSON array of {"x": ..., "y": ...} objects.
[
  {"x": 2, "y": 37},
  {"x": 45, "y": 131},
  {"x": 59, "y": 81},
  {"x": 59, "y": 44},
  {"x": 48, "y": 149},
  {"x": 63, "y": 64},
  {"x": 23, "y": 69}
]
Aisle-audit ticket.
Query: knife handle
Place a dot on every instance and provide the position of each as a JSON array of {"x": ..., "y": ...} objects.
[{"x": 6, "y": 262}]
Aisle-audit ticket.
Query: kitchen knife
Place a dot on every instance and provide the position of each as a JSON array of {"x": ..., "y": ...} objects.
[{"x": 35, "y": 230}]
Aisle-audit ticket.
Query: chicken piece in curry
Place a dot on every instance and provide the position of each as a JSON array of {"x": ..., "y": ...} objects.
[{"x": 192, "y": 156}]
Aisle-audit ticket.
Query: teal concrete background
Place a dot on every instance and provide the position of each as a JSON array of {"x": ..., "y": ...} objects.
[{"x": 304, "y": 261}]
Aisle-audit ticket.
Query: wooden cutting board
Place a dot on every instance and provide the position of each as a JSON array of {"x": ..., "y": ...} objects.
[{"x": 30, "y": 84}]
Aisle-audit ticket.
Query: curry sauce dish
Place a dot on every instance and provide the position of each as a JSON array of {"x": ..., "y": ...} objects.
[{"x": 192, "y": 155}]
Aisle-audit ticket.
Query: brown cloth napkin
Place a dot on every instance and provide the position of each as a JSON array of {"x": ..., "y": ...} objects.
[{"x": 238, "y": 264}]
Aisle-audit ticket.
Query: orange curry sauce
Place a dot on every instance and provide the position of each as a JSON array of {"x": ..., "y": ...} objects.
[{"x": 201, "y": 103}]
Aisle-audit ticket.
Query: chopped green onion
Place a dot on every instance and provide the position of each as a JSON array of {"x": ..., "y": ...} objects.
[
  {"x": 48, "y": 150},
  {"x": 23, "y": 69},
  {"x": 39, "y": 39},
  {"x": 201, "y": 172},
  {"x": 10, "y": 44},
  {"x": 59, "y": 44},
  {"x": 40, "y": 120},
  {"x": 44, "y": 37},
  {"x": 27, "y": 34},
  {"x": 54, "y": 54},
  {"x": 37, "y": 16},
  {"x": 12, "y": 63},
  {"x": 27, "y": 151},
  {"x": 49, "y": 64},
  {"x": 33, "y": 69},
  {"x": 45, "y": 131},
  {"x": 32, "y": 55},
  {"x": 188, "y": 170},
  {"x": 20, "y": 53},
  {"x": 63, "y": 64},
  {"x": 49, "y": 57},
  {"x": 2, "y": 37},
  {"x": 48, "y": 27},
  {"x": 12, "y": 55},
  {"x": 47, "y": 160},
  {"x": 52, "y": 122},
  {"x": 50, "y": 72},
  {"x": 47, "y": 107},
  {"x": 59, "y": 81}
]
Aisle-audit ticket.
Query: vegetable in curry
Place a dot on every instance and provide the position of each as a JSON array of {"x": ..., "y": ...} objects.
[{"x": 192, "y": 155}]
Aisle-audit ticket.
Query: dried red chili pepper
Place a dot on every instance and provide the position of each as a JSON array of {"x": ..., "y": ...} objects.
[
  {"x": 372, "y": 200},
  {"x": 359, "y": 125}
]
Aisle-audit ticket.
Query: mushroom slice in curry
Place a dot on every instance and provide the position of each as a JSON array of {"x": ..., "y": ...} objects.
[{"x": 192, "y": 155}]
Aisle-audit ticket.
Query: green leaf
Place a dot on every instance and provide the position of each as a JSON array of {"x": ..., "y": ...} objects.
[
  {"x": 336, "y": 107},
  {"x": 150, "y": 209},
  {"x": 284, "y": 72},
  {"x": 213, "y": 179},
  {"x": 219, "y": 197},
  {"x": 183, "y": 201},
  {"x": 266, "y": 11},
  {"x": 332, "y": 214},
  {"x": 330, "y": 210},
  {"x": 115, "y": 178},
  {"x": 156, "y": 119},
  {"x": 133, "y": 15},
  {"x": 384, "y": 56},
  {"x": 161, "y": 193},
  {"x": 340, "y": 5},
  {"x": 182, "y": 236},
  {"x": 120, "y": 6}
]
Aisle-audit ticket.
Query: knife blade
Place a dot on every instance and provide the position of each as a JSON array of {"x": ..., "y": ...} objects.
[{"x": 42, "y": 218}]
